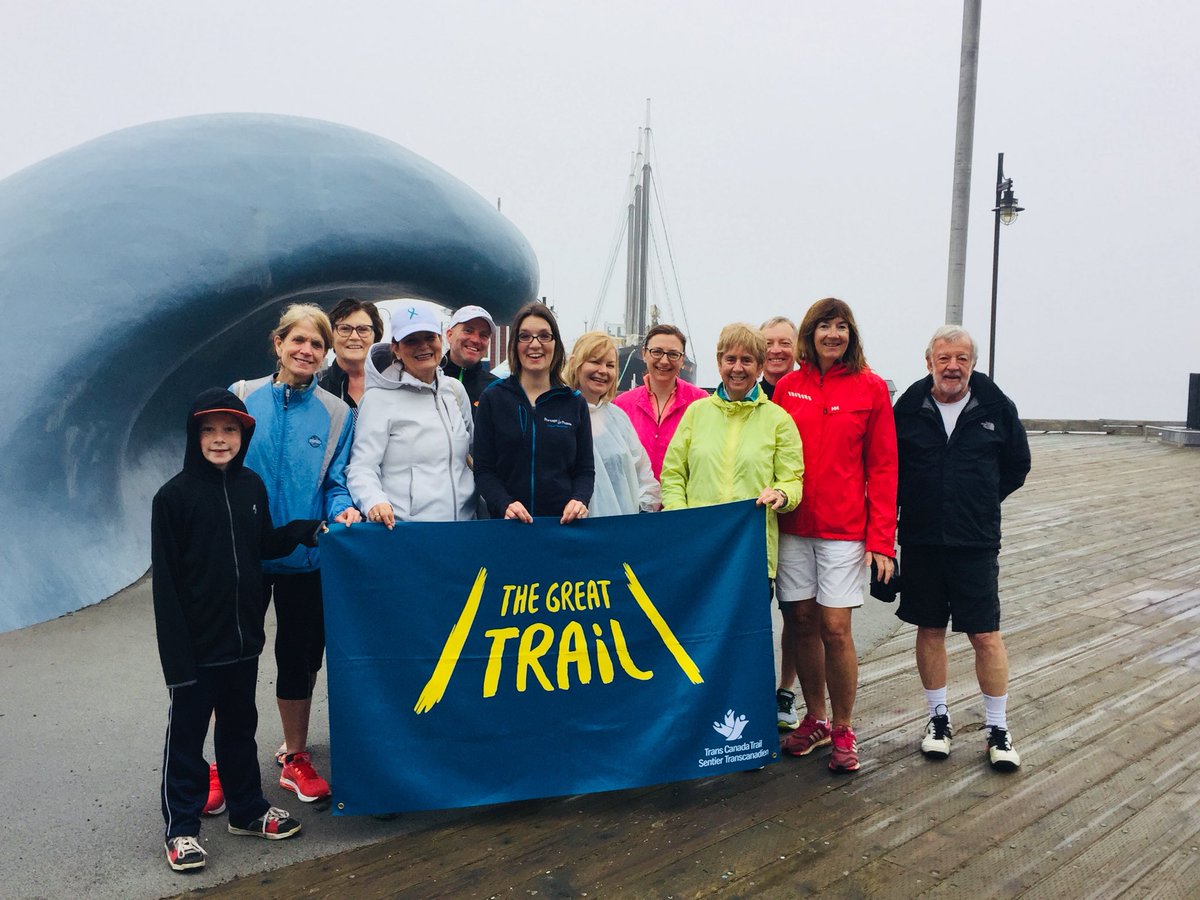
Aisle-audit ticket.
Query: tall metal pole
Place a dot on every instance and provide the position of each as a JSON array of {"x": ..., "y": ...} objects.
[
  {"x": 995, "y": 268},
  {"x": 964, "y": 146}
]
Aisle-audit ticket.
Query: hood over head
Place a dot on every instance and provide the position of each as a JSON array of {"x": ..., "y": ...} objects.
[{"x": 209, "y": 401}]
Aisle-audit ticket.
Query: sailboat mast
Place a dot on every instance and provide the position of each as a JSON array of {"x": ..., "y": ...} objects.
[
  {"x": 631, "y": 252},
  {"x": 637, "y": 259},
  {"x": 643, "y": 249}
]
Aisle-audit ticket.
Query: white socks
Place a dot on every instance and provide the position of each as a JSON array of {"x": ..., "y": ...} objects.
[
  {"x": 936, "y": 698},
  {"x": 995, "y": 710}
]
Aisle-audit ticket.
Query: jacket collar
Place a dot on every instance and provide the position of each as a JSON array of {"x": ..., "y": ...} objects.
[
  {"x": 732, "y": 407},
  {"x": 983, "y": 392},
  {"x": 454, "y": 370},
  {"x": 752, "y": 397},
  {"x": 297, "y": 394},
  {"x": 513, "y": 383}
]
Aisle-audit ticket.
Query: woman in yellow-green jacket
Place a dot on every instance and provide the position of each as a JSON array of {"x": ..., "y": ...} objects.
[{"x": 736, "y": 444}]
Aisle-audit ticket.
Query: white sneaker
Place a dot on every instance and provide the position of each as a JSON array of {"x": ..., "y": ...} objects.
[
  {"x": 1001, "y": 754},
  {"x": 785, "y": 701},
  {"x": 936, "y": 743}
]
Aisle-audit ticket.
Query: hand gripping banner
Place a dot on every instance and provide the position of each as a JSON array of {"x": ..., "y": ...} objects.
[{"x": 482, "y": 662}]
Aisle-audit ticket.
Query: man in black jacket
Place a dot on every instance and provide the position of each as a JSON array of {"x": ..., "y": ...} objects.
[
  {"x": 962, "y": 450},
  {"x": 467, "y": 340}
]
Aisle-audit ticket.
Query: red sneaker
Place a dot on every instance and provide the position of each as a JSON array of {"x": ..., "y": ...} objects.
[
  {"x": 845, "y": 750},
  {"x": 299, "y": 777},
  {"x": 807, "y": 737},
  {"x": 216, "y": 797}
]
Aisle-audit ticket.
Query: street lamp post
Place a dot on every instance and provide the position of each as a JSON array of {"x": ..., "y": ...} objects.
[{"x": 1006, "y": 212}]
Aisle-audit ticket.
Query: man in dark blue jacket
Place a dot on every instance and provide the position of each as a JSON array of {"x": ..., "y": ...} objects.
[{"x": 962, "y": 450}]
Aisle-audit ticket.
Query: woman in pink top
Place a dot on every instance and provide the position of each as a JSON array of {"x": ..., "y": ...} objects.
[{"x": 656, "y": 408}]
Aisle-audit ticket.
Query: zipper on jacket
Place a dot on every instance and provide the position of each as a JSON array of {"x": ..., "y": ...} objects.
[
  {"x": 237, "y": 572},
  {"x": 532, "y": 460},
  {"x": 442, "y": 417},
  {"x": 283, "y": 442}
]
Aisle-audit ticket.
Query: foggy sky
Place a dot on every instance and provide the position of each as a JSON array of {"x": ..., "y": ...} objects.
[{"x": 803, "y": 150}]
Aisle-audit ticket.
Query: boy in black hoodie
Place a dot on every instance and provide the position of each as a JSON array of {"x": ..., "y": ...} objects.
[{"x": 210, "y": 530}]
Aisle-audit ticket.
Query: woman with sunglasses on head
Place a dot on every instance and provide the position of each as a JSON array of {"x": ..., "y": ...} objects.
[
  {"x": 656, "y": 407},
  {"x": 356, "y": 326},
  {"x": 533, "y": 433}
]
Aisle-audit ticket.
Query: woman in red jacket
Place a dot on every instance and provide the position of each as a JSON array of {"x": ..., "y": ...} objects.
[{"x": 845, "y": 523}]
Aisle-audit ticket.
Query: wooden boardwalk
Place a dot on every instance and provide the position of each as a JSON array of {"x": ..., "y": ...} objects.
[{"x": 1100, "y": 580}]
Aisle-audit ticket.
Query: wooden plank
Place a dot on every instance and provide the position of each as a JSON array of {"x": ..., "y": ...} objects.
[{"x": 1101, "y": 600}]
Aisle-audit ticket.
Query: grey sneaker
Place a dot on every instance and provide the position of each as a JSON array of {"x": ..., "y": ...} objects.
[
  {"x": 785, "y": 701},
  {"x": 936, "y": 743},
  {"x": 1001, "y": 754}
]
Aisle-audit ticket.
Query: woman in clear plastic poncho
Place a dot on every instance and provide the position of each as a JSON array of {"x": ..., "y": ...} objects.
[{"x": 625, "y": 483}]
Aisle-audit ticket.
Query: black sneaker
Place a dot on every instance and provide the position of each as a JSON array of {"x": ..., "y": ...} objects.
[
  {"x": 936, "y": 743},
  {"x": 184, "y": 853},
  {"x": 785, "y": 702},
  {"x": 1001, "y": 754},
  {"x": 274, "y": 825}
]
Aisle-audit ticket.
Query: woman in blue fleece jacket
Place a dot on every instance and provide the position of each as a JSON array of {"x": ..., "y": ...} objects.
[
  {"x": 533, "y": 434},
  {"x": 300, "y": 451}
]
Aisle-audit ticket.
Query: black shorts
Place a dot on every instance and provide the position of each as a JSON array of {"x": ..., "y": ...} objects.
[{"x": 943, "y": 584}]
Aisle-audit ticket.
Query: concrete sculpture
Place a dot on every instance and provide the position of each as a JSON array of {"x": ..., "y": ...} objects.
[{"x": 145, "y": 265}]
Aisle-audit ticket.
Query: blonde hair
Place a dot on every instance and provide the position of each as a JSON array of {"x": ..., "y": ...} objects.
[
  {"x": 592, "y": 345},
  {"x": 297, "y": 313},
  {"x": 749, "y": 338}
]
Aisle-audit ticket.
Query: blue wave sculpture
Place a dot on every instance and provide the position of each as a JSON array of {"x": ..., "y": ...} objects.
[{"x": 148, "y": 264}]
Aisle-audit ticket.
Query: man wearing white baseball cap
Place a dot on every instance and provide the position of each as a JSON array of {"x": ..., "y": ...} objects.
[{"x": 467, "y": 340}]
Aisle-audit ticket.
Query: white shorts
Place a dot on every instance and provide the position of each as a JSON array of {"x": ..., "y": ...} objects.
[{"x": 834, "y": 572}]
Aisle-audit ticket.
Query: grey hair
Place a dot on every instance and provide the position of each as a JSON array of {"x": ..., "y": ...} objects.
[
  {"x": 951, "y": 333},
  {"x": 780, "y": 320}
]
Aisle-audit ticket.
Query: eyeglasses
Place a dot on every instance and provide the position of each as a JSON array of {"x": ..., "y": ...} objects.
[
  {"x": 659, "y": 353},
  {"x": 542, "y": 337},
  {"x": 362, "y": 331}
]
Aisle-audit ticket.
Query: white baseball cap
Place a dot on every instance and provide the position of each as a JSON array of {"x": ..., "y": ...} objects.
[
  {"x": 413, "y": 317},
  {"x": 467, "y": 313}
]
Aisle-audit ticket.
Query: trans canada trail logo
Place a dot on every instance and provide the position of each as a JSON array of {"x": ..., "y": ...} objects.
[{"x": 734, "y": 750}]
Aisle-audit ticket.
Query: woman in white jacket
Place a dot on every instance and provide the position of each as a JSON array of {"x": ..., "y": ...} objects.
[
  {"x": 412, "y": 441},
  {"x": 625, "y": 483}
]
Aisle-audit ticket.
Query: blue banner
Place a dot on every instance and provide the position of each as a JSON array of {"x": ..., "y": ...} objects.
[{"x": 482, "y": 662}]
